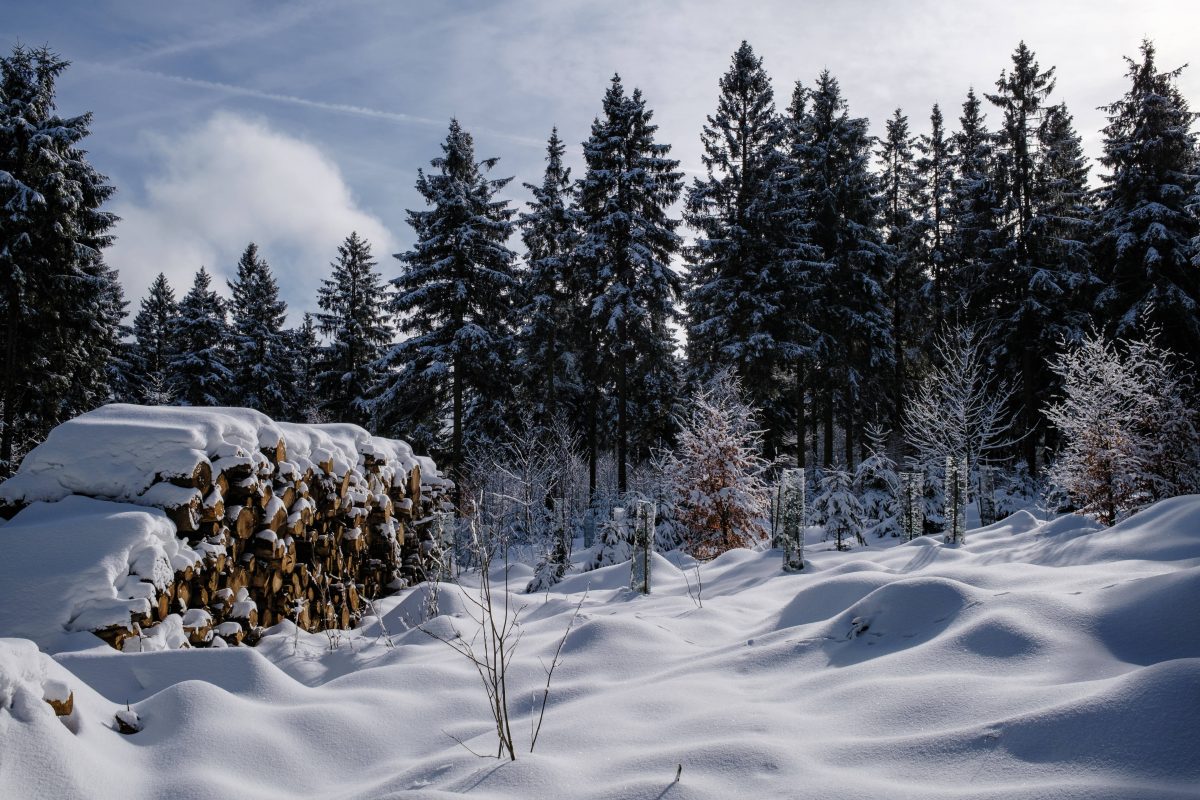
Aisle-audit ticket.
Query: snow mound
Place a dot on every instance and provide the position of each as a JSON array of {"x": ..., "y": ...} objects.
[
  {"x": 82, "y": 564},
  {"x": 1038, "y": 659},
  {"x": 119, "y": 452}
]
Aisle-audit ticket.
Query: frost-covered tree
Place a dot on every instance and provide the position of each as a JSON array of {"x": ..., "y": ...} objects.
[
  {"x": 935, "y": 198},
  {"x": 721, "y": 497},
  {"x": 305, "y": 397},
  {"x": 974, "y": 225},
  {"x": 959, "y": 409},
  {"x": 1129, "y": 434},
  {"x": 201, "y": 337},
  {"x": 851, "y": 318},
  {"x": 551, "y": 306},
  {"x": 150, "y": 379},
  {"x": 736, "y": 282},
  {"x": 60, "y": 304},
  {"x": 259, "y": 343},
  {"x": 354, "y": 320},
  {"x": 1149, "y": 220},
  {"x": 628, "y": 240},
  {"x": 838, "y": 508},
  {"x": 877, "y": 485},
  {"x": 454, "y": 301}
]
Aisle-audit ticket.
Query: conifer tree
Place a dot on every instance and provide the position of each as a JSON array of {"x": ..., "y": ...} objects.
[
  {"x": 305, "y": 397},
  {"x": 60, "y": 304},
  {"x": 454, "y": 300},
  {"x": 974, "y": 232},
  {"x": 551, "y": 310},
  {"x": 354, "y": 319},
  {"x": 201, "y": 333},
  {"x": 903, "y": 222},
  {"x": 1149, "y": 220},
  {"x": 150, "y": 378},
  {"x": 935, "y": 179},
  {"x": 260, "y": 346},
  {"x": 736, "y": 316},
  {"x": 627, "y": 243},
  {"x": 852, "y": 320}
]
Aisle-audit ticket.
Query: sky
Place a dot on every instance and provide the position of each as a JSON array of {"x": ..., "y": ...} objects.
[{"x": 292, "y": 124}]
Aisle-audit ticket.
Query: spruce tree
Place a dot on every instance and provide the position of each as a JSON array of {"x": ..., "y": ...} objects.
[
  {"x": 354, "y": 319},
  {"x": 150, "y": 377},
  {"x": 852, "y": 320},
  {"x": 974, "y": 232},
  {"x": 200, "y": 350},
  {"x": 60, "y": 305},
  {"x": 627, "y": 244},
  {"x": 736, "y": 316},
  {"x": 260, "y": 346},
  {"x": 454, "y": 301},
  {"x": 935, "y": 180},
  {"x": 305, "y": 399},
  {"x": 903, "y": 222},
  {"x": 1146, "y": 240},
  {"x": 550, "y": 306}
]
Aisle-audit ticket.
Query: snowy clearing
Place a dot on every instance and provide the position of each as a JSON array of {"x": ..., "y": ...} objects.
[{"x": 1041, "y": 659}]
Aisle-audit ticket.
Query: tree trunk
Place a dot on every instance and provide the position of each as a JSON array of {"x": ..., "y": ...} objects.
[
  {"x": 827, "y": 456},
  {"x": 622, "y": 420},
  {"x": 801, "y": 421},
  {"x": 456, "y": 440},
  {"x": 9, "y": 388}
]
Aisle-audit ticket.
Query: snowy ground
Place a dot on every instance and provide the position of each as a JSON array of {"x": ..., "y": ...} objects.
[{"x": 1038, "y": 660}]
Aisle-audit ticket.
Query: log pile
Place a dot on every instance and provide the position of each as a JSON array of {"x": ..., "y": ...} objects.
[{"x": 280, "y": 542}]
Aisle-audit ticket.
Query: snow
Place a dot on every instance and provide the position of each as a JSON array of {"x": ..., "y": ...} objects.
[
  {"x": 122, "y": 452},
  {"x": 1038, "y": 659}
]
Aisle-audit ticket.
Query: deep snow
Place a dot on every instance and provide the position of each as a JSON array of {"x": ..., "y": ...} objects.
[{"x": 1040, "y": 659}]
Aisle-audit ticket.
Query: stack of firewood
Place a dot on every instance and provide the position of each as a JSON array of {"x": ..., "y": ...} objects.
[{"x": 279, "y": 542}]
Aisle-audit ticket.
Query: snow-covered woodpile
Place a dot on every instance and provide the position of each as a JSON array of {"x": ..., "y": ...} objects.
[{"x": 273, "y": 520}]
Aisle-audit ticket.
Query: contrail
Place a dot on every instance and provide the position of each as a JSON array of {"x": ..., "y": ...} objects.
[{"x": 304, "y": 102}]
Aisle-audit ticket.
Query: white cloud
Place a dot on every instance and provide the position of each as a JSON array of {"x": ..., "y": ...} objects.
[{"x": 231, "y": 181}]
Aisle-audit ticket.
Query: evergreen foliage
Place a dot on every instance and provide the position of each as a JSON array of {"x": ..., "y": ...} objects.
[
  {"x": 150, "y": 379},
  {"x": 260, "y": 345},
  {"x": 353, "y": 318},
  {"x": 201, "y": 346}
]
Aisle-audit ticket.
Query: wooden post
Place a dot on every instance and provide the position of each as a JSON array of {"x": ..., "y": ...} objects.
[
  {"x": 790, "y": 513},
  {"x": 643, "y": 547}
]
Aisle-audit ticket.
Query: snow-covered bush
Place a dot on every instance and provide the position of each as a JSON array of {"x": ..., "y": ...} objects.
[
  {"x": 1129, "y": 435},
  {"x": 839, "y": 508},
  {"x": 878, "y": 489},
  {"x": 720, "y": 496}
]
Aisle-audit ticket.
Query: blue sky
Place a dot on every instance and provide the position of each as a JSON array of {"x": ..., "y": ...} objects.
[{"x": 293, "y": 123}]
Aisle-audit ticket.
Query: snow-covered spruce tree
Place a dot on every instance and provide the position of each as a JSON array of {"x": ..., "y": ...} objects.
[
  {"x": 831, "y": 154},
  {"x": 974, "y": 232},
  {"x": 736, "y": 316},
  {"x": 150, "y": 377},
  {"x": 838, "y": 508},
  {"x": 721, "y": 497},
  {"x": 353, "y": 319},
  {"x": 1129, "y": 436},
  {"x": 1029, "y": 293},
  {"x": 626, "y": 248},
  {"x": 613, "y": 540},
  {"x": 958, "y": 409},
  {"x": 201, "y": 336},
  {"x": 550, "y": 305},
  {"x": 260, "y": 344},
  {"x": 305, "y": 348},
  {"x": 454, "y": 300},
  {"x": 1149, "y": 217},
  {"x": 903, "y": 222},
  {"x": 878, "y": 487},
  {"x": 60, "y": 305},
  {"x": 935, "y": 198}
]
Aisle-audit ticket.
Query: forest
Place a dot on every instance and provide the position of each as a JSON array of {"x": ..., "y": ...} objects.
[{"x": 819, "y": 299}]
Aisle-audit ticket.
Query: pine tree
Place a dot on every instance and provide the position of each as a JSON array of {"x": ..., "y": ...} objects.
[
  {"x": 60, "y": 305},
  {"x": 454, "y": 299},
  {"x": 736, "y": 316},
  {"x": 200, "y": 335},
  {"x": 628, "y": 240},
  {"x": 354, "y": 319},
  {"x": 935, "y": 180},
  {"x": 305, "y": 360},
  {"x": 852, "y": 321},
  {"x": 903, "y": 222},
  {"x": 551, "y": 309},
  {"x": 974, "y": 232},
  {"x": 150, "y": 377},
  {"x": 1149, "y": 223},
  {"x": 260, "y": 347}
]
